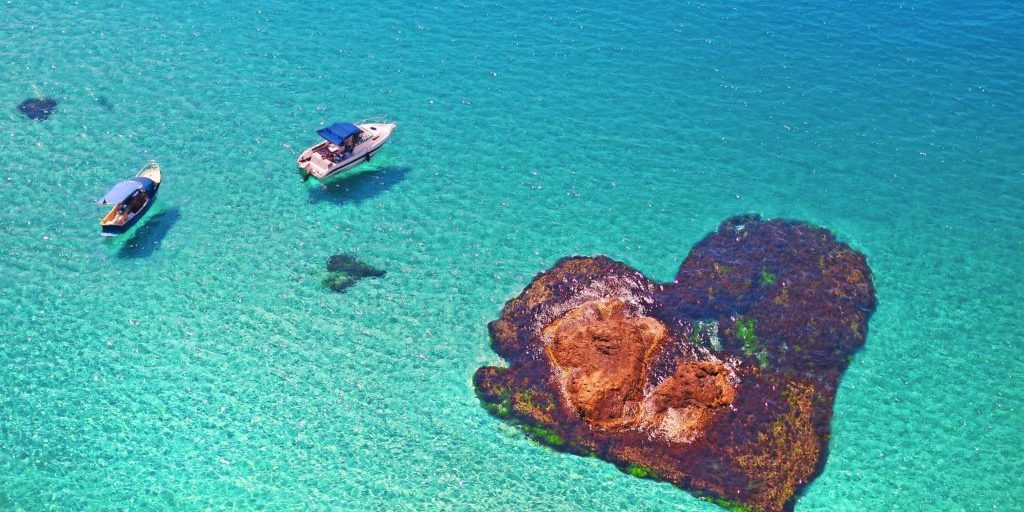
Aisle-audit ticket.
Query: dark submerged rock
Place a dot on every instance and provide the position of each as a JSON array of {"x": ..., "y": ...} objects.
[
  {"x": 721, "y": 382},
  {"x": 104, "y": 102},
  {"x": 350, "y": 265},
  {"x": 38, "y": 109},
  {"x": 344, "y": 270}
]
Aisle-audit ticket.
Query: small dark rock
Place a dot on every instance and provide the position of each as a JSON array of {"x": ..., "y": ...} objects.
[
  {"x": 344, "y": 270},
  {"x": 105, "y": 103},
  {"x": 38, "y": 108},
  {"x": 350, "y": 265}
]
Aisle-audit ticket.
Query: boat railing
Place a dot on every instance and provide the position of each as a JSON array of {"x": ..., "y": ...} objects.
[
  {"x": 147, "y": 166},
  {"x": 375, "y": 120}
]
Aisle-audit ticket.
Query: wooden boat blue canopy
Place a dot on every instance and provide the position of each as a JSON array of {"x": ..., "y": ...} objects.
[
  {"x": 338, "y": 132},
  {"x": 125, "y": 189}
]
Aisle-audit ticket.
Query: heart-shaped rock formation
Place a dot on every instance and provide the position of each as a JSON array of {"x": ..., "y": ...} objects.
[{"x": 721, "y": 382}]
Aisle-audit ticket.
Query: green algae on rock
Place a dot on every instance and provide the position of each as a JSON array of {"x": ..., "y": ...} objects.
[{"x": 721, "y": 382}]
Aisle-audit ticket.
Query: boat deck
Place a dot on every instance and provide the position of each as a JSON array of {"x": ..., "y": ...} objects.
[{"x": 331, "y": 154}]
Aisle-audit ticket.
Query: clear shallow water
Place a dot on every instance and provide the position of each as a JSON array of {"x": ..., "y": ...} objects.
[{"x": 199, "y": 363}]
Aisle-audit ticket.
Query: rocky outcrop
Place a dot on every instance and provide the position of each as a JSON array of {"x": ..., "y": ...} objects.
[{"x": 721, "y": 382}]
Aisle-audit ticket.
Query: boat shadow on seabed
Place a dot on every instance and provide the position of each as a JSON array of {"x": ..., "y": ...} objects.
[
  {"x": 358, "y": 186},
  {"x": 147, "y": 237}
]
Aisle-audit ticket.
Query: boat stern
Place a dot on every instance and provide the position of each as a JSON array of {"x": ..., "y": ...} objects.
[{"x": 306, "y": 163}]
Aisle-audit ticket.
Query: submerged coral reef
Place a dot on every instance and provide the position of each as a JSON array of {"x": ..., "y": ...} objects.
[
  {"x": 721, "y": 382},
  {"x": 38, "y": 109}
]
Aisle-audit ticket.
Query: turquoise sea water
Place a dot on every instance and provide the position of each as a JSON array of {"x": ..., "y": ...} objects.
[{"x": 198, "y": 362}]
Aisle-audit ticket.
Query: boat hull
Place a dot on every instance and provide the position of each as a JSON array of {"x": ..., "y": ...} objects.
[
  {"x": 114, "y": 230},
  {"x": 354, "y": 162}
]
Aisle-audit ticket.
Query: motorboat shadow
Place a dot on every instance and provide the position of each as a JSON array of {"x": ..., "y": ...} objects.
[
  {"x": 148, "y": 237},
  {"x": 359, "y": 186}
]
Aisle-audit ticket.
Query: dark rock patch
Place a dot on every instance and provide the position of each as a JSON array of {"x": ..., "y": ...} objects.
[
  {"x": 104, "y": 102},
  {"x": 38, "y": 109},
  {"x": 344, "y": 270}
]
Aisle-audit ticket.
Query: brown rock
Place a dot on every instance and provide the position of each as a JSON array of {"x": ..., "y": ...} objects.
[{"x": 598, "y": 352}]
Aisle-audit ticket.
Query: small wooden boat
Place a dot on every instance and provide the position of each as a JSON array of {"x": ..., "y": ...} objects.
[
  {"x": 131, "y": 200},
  {"x": 345, "y": 146}
]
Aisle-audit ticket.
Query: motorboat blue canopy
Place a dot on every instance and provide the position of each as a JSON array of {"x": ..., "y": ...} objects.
[
  {"x": 123, "y": 190},
  {"x": 338, "y": 132}
]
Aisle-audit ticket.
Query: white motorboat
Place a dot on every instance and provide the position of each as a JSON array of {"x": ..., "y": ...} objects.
[{"x": 345, "y": 146}]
